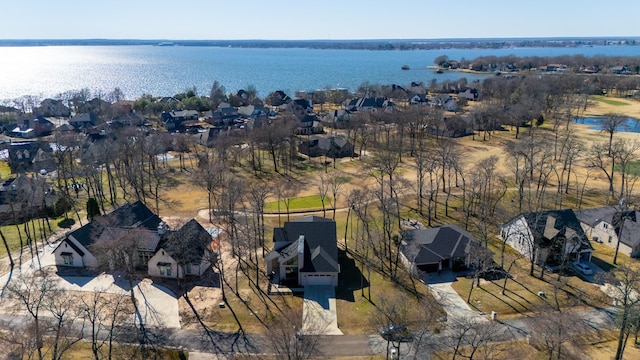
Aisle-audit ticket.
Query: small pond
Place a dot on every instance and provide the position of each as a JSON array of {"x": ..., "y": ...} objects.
[{"x": 595, "y": 123}]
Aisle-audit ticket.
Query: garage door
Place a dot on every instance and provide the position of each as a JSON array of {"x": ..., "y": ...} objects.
[
  {"x": 318, "y": 279},
  {"x": 428, "y": 267}
]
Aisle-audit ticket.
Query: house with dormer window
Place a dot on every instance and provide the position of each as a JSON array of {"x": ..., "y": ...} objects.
[
  {"x": 552, "y": 237},
  {"x": 612, "y": 226},
  {"x": 305, "y": 253},
  {"x": 160, "y": 251}
]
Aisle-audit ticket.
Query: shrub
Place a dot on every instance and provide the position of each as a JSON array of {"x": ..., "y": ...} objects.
[{"x": 66, "y": 223}]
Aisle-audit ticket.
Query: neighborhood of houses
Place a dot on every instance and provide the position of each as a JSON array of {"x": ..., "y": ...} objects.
[{"x": 305, "y": 250}]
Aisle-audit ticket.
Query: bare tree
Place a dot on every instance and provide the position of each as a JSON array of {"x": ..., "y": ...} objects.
[
  {"x": 392, "y": 319},
  {"x": 469, "y": 335},
  {"x": 623, "y": 285},
  {"x": 610, "y": 123},
  {"x": 258, "y": 194},
  {"x": 600, "y": 158},
  {"x": 104, "y": 313},
  {"x": 62, "y": 308},
  {"x": 626, "y": 154},
  {"x": 118, "y": 251},
  {"x": 30, "y": 294},
  {"x": 425, "y": 319},
  {"x": 286, "y": 191},
  {"x": 287, "y": 338},
  {"x": 481, "y": 260},
  {"x": 553, "y": 328},
  {"x": 323, "y": 190},
  {"x": 336, "y": 182}
]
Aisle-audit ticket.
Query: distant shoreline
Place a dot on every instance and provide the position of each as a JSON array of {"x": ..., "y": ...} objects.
[{"x": 381, "y": 44}]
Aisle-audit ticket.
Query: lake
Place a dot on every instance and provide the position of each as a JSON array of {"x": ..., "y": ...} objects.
[
  {"x": 166, "y": 70},
  {"x": 630, "y": 125}
]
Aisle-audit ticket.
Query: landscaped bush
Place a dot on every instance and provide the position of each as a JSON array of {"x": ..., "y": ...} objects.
[{"x": 66, "y": 223}]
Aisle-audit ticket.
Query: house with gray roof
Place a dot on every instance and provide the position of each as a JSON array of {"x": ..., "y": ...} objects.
[
  {"x": 188, "y": 251},
  {"x": 174, "y": 120},
  {"x": 370, "y": 104},
  {"x": 83, "y": 120},
  {"x": 436, "y": 249},
  {"x": 552, "y": 237},
  {"x": 75, "y": 248},
  {"x": 331, "y": 146},
  {"x": 610, "y": 225},
  {"x": 305, "y": 253}
]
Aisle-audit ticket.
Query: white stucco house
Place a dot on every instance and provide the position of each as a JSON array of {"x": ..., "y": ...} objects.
[
  {"x": 305, "y": 253},
  {"x": 75, "y": 248},
  {"x": 162, "y": 252},
  {"x": 188, "y": 251}
]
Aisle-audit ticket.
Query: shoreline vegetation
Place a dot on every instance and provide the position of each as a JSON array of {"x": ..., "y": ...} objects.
[{"x": 355, "y": 44}]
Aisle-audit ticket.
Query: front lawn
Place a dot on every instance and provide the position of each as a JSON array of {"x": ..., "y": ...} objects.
[
  {"x": 522, "y": 292},
  {"x": 610, "y": 101},
  {"x": 309, "y": 202}
]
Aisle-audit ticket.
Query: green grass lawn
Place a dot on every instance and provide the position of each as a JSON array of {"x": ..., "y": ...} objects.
[
  {"x": 12, "y": 234},
  {"x": 610, "y": 101},
  {"x": 310, "y": 202},
  {"x": 521, "y": 295},
  {"x": 632, "y": 169},
  {"x": 5, "y": 170}
]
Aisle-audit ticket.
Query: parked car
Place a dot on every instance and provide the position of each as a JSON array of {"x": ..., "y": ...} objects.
[
  {"x": 398, "y": 333},
  {"x": 582, "y": 268}
]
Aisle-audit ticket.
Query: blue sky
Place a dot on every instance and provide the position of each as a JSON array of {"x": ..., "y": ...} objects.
[{"x": 321, "y": 19}]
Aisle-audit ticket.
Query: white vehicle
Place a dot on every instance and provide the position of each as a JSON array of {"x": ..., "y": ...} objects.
[{"x": 582, "y": 268}]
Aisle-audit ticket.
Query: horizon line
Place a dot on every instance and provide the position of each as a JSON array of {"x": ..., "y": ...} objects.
[{"x": 599, "y": 37}]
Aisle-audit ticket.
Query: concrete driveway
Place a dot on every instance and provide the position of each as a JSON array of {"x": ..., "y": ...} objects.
[
  {"x": 319, "y": 316},
  {"x": 158, "y": 305},
  {"x": 453, "y": 304}
]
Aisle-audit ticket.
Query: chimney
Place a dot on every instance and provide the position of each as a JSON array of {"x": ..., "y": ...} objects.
[
  {"x": 162, "y": 228},
  {"x": 300, "y": 251}
]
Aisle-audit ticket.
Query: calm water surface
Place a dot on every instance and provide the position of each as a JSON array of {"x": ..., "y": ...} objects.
[
  {"x": 629, "y": 125},
  {"x": 163, "y": 71}
]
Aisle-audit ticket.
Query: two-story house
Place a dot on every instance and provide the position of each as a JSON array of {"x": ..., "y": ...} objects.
[
  {"x": 305, "y": 253},
  {"x": 609, "y": 225}
]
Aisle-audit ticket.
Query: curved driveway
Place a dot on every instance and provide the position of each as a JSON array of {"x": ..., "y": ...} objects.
[{"x": 158, "y": 305}]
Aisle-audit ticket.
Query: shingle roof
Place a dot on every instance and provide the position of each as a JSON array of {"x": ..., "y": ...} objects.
[
  {"x": 135, "y": 215},
  {"x": 187, "y": 245},
  {"x": 425, "y": 246},
  {"x": 73, "y": 246},
  {"x": 595, "y": 215},
  {"x": 320, "y": 240},
  {"x": 611, "y": 215},
  {"x": 545, "y": 225},
  {"x": 146, "y": 240}
]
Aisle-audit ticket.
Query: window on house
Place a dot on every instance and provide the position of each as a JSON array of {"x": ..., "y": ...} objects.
[
  {"x": 605, "y": 225},
  {"x": 187, "y": 269},
  {"x": 164, "y": 268},
  {"x": 610, "y": 238},
  {"x": 67, "y": 258}
]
